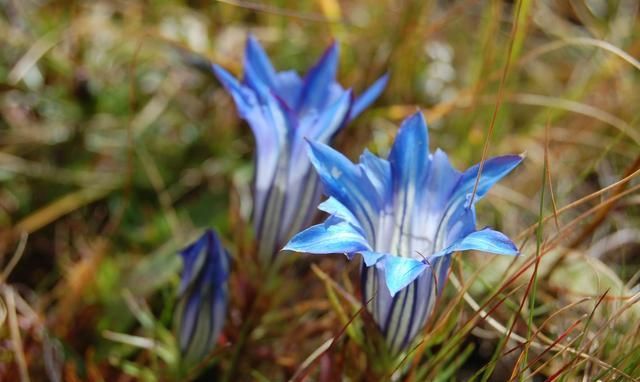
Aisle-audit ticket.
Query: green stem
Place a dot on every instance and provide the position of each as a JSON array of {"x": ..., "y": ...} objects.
[
  {"x": 245, "y": 332},
  {"x": 251, "y": 321}
]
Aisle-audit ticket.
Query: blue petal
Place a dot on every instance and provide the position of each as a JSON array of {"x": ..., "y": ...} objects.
[
  {"x": 302, "y": 195},
  {"x": 331, "y": 119},
  {"x": 244, "y": 98},
  {"x": 347, "y": 183},
  {"x": 257, "y": 67},
  {"x": 409, "y": 159},
  {"x": 301, "y": 178},
  {"x": 494, "y": 169},
  {"x": 269, "y": 123},
  {"x": 192, "y": 265},
  {"x": 443, "y": 178},
  {"x": 378, "y": 171},
  {"x": 409, "y": 156},
  {"x": 289, "y": 86},
  {"x": 333, "y": 207},
  {"x": 371, "y": 258},
  {"x": 401, "y": 271},
  {"x": 316, "y": 88},
  {"x": 219, "y": 259},
  {"x": 459, "y": 221},
  {"x": 326, "y": 238},
  {"x": 368, "y": 96},
  {"x": 485, "y": 240},
  {"x": 187, "y": 312},
  {"x": 434, "y": 199},
  {"x": 320, "y": 128}
]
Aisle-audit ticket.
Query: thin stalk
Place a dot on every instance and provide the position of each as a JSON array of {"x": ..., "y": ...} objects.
[{"x": 534, "y": 287}]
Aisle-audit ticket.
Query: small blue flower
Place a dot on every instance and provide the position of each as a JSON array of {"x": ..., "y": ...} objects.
[
  {"x": 405, "y": 216},
  {"x": 202, "y": 297},
  {"x": 283, "y": 110}
]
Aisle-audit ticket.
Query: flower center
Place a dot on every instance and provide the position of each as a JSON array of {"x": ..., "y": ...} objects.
[{"x": 410, "y": 239}]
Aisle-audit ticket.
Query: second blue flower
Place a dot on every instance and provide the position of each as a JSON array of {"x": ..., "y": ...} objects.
[{"x": 283, "y": 110}]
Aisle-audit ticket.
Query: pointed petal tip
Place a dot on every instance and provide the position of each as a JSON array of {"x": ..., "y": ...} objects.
[
  {"x": 347, "y": 94},
  {"x": 415, "y": 120},
  {"x": 316, "y": 148},
  {"x": 511, "y": 161},
  {"x": 330, "y": 54},
  {"x": 291, "y": 247},
  {"x": 380, "y": 84},
  {"x": 293, "y": 244},
  {"x": 313, "y": 145},
  {"x": 333, "y": 47},
  {"x": 252, "y": 38},
  {"x": 401, "y": 271},
  {"x": 485, "y": 240},
  {"x": 360, "y": 103},
  {"x": 440, "y": 152},
  {"x": 253, "y": 44},
  {"x": 287, "y": 248},
  {"x": 223, "y": 75},
  {"x": 216, "y": 68}
]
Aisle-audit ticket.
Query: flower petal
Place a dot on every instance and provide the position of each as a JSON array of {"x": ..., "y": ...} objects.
[
  {"x": 326, "y": 238},
  {"x": 370, "y": 257},
  {"x": 401, "y": 271},
  {"x": 244, "y": 97},
  {"x": 409, "y": 310},
  {"x": 494, "y": 169},
  {"x": 316, "y": 87},
  {"x": 320, "y": 128},
  {"x": 289, "y": 86},
  {"x": 369, "y": 95},
  {"x": 257, "y": 66},
  {"x": 429, "y": 220},
  {"x": 378, "y": 171},
  {"x": 485, "y": 240},
  {"x": 269, "y": 124},
  {"x": 409, "y": 159},
  {"x": 333, "y": 207},
  {"x": 330, "y": 121},
  {"x": 193, "y": 263},
  {"x": 442, "y": 181},
  {"x": 347, "y": 183},
  {"x": 409, "y": 156}
]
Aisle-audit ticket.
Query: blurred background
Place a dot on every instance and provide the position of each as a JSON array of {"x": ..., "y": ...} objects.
[{"x": 118, "y": 146}]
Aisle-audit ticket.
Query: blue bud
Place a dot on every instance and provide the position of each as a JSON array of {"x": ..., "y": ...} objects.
[{"x": 202, "y": 297}]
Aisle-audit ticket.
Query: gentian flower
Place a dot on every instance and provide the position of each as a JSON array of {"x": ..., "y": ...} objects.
[
  {"x": 202, "y": 297},
  {"x": 283, "y": 110},
  {"x": 405, "y": 216}
]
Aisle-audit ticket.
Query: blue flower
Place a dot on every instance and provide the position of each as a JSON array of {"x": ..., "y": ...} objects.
[
  {"x": 283, "y": 110},
  {"x": 405, "y": 216},
  {"x": 202, "y": 297}
]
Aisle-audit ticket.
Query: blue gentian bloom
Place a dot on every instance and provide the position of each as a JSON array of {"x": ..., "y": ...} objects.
[
  {"x": 405, "y": 216},
  {"x": 283, "y": 109},
  {"x": 202, "y": 297}
]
